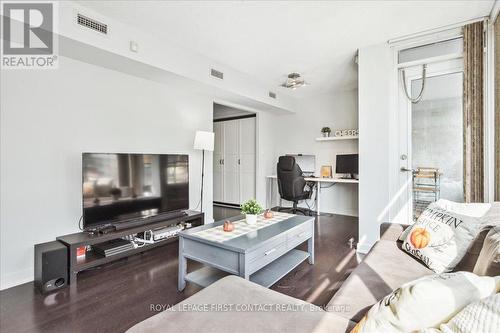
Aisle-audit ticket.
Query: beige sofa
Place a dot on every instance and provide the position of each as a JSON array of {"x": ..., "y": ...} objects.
[{"x": 385, "y": 268}]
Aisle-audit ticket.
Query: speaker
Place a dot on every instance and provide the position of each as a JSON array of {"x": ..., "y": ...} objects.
[{"x": 51, "y": 266}]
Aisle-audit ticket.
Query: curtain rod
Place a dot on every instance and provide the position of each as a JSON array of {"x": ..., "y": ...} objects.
[{"x": 435, "y": 30}]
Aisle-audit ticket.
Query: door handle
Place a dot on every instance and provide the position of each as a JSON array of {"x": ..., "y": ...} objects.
[
  {"x": 404, "y": 169},
  {"x": 238, "y": 161}
]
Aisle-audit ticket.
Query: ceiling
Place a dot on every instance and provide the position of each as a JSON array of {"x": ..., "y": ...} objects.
[{"x": 269, "y": 39}]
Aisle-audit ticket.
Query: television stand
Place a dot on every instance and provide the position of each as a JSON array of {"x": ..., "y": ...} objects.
[
  {"x": 147, "y": 220},
  {"x": 94, "y": 259}
]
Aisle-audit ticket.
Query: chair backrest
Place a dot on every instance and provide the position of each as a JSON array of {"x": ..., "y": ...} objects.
[{"x": 291, "y": 183}]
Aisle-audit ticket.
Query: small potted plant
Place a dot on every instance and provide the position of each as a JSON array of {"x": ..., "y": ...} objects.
[
  {"x": 326, "y": 131},
  {"x": 251, "y": 209}
]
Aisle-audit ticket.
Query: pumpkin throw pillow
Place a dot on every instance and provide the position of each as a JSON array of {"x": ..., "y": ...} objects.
[
  {"x": 468, "y": 209},
  {"x": 440, "y": 238},
  {"x": 426, "y": 302},
  {"x": 482, "y": 316}
]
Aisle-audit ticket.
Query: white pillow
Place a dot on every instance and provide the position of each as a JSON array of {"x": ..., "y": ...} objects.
[
  {"x": 426, "y": 302},
  {"x": 468, "y": 209},
  {"x": 482, "y": 316},
  {"x": 440, "y": 238}
]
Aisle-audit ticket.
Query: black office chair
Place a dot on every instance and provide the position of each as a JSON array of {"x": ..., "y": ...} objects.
[{"x": 291, "y": 184}]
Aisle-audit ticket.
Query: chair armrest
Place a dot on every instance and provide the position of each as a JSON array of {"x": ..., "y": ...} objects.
[{"x": 391, "y": 231}]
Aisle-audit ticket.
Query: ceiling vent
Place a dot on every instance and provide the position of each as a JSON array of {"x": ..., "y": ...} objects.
[
  {"x": 272, "y": 94},
  {"x": 217, "y": 74},
  {"x": 92, "y": 24}
]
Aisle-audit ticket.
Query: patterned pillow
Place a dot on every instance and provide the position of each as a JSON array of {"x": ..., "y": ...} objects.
[
  {"x": 426, "y": 302},
  {"x": 481, "y": 316},
  {"x": 440, "y": 238}
]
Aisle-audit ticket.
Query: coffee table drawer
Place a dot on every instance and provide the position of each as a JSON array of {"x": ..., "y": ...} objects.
[
  {"x": 298, "y": 238},
  {"x": 299, "y": 235},
  {"x": 267, "y": 256},
  {"x": 259, "y": 252}
]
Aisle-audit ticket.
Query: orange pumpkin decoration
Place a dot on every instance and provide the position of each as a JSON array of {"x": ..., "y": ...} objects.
[
  {"x": 420, "y": 238},
  {"x": 268, "y": 214},
  {"x": 228, "y": 226}
]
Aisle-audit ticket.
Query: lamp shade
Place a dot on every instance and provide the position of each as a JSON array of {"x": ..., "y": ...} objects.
[{"x": 204, "y": 140}]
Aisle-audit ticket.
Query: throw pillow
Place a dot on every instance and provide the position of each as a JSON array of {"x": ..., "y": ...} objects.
[
  {"x": 481, "y": 316},
  {"x": 426, "y": 302},
  {"x": 440, "y": 238},
  {"x": 488, "y": 262},
  {"x": 468, "y": 209}
]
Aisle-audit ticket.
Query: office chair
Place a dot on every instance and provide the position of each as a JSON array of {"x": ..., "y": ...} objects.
[{"x": 291, "y": 183}]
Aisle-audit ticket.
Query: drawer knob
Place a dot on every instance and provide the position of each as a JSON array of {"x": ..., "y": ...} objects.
[
  {"x": 301, "y": 234},
  {"x": 269, "y": 252}
]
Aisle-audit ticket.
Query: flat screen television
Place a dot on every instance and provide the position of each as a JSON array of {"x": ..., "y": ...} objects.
[
  {"x": 127, "y": 187},
  {"x": 347, "y": 164}
]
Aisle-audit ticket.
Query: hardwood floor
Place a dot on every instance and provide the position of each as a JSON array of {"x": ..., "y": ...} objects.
[{"x": 114, "y": 297}]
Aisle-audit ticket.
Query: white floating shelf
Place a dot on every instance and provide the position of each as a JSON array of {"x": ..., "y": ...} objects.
[{"x": 335, "y": 138}]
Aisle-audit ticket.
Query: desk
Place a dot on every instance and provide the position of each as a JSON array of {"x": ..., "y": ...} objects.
[{"x": 317, "y": 180}]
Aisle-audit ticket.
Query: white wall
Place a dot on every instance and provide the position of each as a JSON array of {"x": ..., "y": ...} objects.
[
  {"x": 48, "y": 118},
  {"x": 377, "y": 127},
  {"x": 296, "y": 133}
]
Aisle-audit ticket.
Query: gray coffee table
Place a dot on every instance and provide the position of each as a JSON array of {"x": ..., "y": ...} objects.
[{"x": 263, "y": 256}]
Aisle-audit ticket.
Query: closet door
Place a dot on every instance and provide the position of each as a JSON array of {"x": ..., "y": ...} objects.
[
  {"x": 247, "y": 140},
  {"x": 230, "y": 162},
  {"x": 218, "y": 159}
]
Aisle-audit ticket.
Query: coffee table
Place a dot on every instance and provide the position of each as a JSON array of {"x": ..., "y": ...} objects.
[{"x": 262, "y": 253}]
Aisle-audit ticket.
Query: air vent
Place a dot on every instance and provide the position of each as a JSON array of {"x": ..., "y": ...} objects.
[
  {"x": 217, "y": 74},
  {"x": 272, "y": 94},
  {"x": 87, "y": 22}
]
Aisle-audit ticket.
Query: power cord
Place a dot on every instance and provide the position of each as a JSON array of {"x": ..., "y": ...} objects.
[{"x": 80, "y": 226}]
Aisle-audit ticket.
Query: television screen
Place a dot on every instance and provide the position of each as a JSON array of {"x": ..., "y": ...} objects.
[
  {"x": 118, "y": 187},
  {"x": 347, "y": 164}
]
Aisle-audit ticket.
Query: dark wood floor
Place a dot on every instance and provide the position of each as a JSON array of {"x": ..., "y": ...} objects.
[{"x": 119, "y": 295}]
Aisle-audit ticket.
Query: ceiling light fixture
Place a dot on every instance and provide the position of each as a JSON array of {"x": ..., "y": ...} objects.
[{"x": 294, "y": 81}]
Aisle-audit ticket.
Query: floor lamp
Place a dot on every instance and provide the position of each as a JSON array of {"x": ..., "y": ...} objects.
[{"x": 203, "y": 141}]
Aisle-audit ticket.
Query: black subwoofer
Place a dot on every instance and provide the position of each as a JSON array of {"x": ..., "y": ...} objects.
[{"x": 51, "y": 266}]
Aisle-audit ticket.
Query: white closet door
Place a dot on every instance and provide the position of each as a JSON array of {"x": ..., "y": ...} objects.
[
  {"x": 247, "y": 142},
  {"x": 218, "y": 194},
  {"x": 230, "y": 164}
]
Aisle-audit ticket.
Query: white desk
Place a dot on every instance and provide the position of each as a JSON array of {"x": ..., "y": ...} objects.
[{"x": 333, "y": 181}]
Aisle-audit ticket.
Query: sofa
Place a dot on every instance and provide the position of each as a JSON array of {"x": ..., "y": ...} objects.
[{"x": 233, "y": 304}]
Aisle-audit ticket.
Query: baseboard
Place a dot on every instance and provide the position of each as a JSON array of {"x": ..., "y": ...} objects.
[{"x": 14, "y": 279}]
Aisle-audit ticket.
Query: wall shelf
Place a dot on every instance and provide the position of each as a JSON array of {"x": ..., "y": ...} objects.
[{"x": 336, "y": 138}]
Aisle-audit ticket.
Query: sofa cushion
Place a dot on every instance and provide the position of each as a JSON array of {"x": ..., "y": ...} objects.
[
  {"x": 392, "y": 231},
  {"x": 488, "y": 262},
  {"x": 244, "y": 307},
  {"x": 385, "y": 268}
]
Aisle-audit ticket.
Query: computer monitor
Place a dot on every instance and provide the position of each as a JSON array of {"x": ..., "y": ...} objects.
[
  {"x": 347, "y": 164},
  {"x": 307, "y": 163}
]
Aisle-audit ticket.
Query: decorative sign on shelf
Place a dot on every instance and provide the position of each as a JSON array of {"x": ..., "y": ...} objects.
[{"x": 347, "y": 132}]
